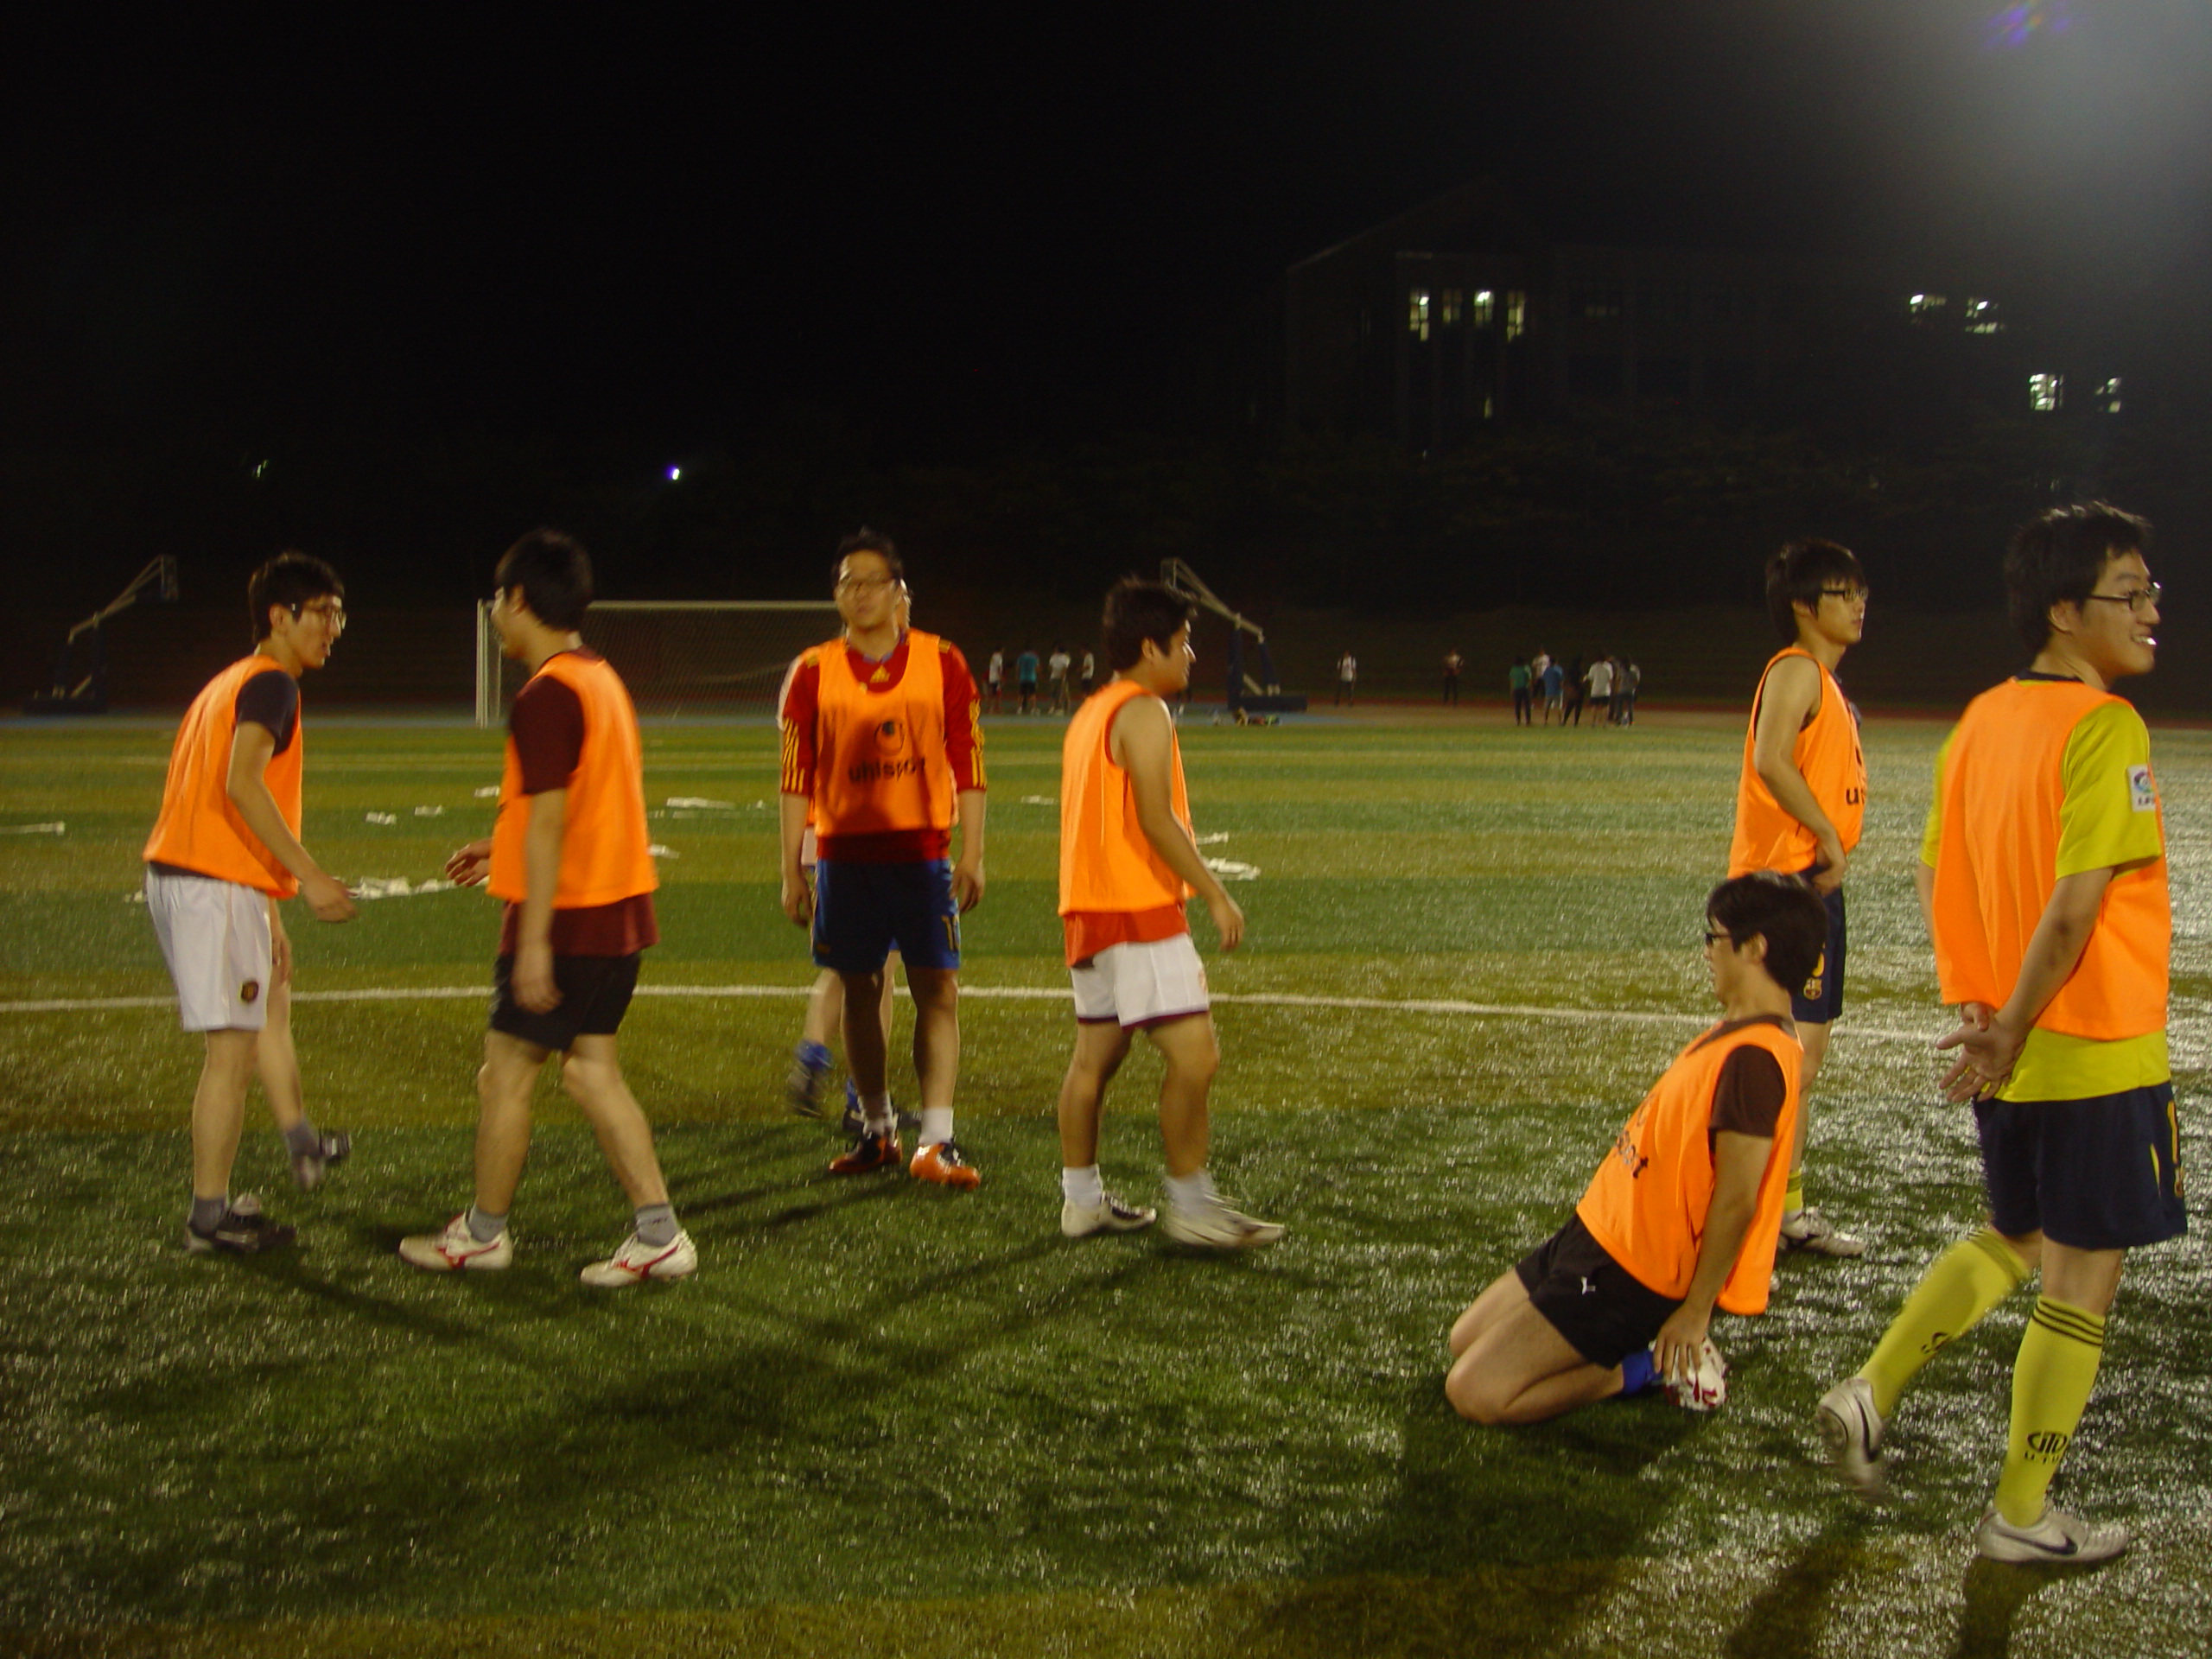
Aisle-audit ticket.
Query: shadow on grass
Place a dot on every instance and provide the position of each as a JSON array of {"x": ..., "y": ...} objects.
[
  {"x": 1995, "y": 1592},
  {"x": 1790, "y": 1613}
]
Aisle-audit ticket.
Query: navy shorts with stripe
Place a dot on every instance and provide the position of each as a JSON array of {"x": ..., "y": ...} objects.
[
  {"x": 2102, "y": 1173},
  {"x": 1819, "y": 1000},
  {"x": 861, "y": 910}
]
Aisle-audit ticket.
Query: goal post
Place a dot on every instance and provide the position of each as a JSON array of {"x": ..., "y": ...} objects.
[{"x": 685, "y": 656}]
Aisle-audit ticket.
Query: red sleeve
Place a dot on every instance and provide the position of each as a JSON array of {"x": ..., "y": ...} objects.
[
  {"x": 547, "y": 724},
  {"x": 964, "y": 719},
  {"x": 801, "y": 698}
]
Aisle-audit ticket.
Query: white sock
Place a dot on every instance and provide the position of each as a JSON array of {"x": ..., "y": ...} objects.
[
  {"x": 1191, "y": 1191},
  {"x": 877, "y": 1114},
  {"x": 1081, "y": 1186},
  {"x": 936, "y": 1125}
]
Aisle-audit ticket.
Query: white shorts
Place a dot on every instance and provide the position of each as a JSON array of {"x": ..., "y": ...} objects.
[
  {"x": 215, "y": 938},
  {"x": 1141, "y": 984}
]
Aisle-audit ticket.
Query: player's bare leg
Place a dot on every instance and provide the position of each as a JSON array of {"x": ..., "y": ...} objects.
[
  {"x": 825, "y": 1009},
  {"x": 1100, "y": 1048},
  {"x": 504, "y": 1084},
  {"x": 278, "y": 1060},
  {"x": 1804, "y": 1227},
  {"x": 938, "y": 1158},
  {"x": 1511, "y": 1365},
  {"x": 593, "y": 1078},
  {"x": 1193, "y": 1055},
  {"x": 219, "y": 1110},
  {"x": 866, "y": 1036}
]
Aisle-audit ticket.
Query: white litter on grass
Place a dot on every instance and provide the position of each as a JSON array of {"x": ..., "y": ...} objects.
[
  {"x": 1213, "y": 840},
  {"x": 700, "y": 803},
  {"x": 430, "y": 811},
  {"x": 659, "y": 851},
  {"x": 381, "y": 817},
  {"x": 1040, "y": 800},
  {"x": 489, "y": 792},
  {"x": 136, "y": 896},
  {"x": 1230, "y": 869},
  {"x": 396, "y": 887},
  {"x": 34, "y": 829}
]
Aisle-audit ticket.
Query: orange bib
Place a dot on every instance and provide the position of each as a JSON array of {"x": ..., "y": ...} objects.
[
  {"x": 1647, "y": 1203},
  {"x": 604, "y": 851},
  {"x": 1106, "y": 863},
  {"x": 199, "y": 828},
  {"x": 880, "y": 761},
  {"x": 1826, "y": 753}
]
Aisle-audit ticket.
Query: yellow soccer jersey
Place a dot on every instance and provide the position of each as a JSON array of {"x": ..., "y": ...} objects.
[{"x": 2108, "y": 818}]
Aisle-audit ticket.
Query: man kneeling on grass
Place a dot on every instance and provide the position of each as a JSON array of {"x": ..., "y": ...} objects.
[{"x": 1686, "y": 1211}]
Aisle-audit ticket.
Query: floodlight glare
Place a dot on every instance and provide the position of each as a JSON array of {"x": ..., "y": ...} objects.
[{"x": 675, "y": 473}]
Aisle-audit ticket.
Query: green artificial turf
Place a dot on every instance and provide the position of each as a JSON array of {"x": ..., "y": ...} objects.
[{"x": 884, "y": 1418}]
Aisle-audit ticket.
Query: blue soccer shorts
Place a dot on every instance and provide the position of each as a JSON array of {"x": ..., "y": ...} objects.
[
  {"x": 2097, "y": 1174},
  {"x": 861, "y": 910}
]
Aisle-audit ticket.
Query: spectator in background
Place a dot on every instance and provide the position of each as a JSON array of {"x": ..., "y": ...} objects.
[
  {"x": 1600, "y": 682},
  {"x": 1452, "y": 664},
  {"x": 1517, "y": 681},
  {"x": 1058, "y": 665},
  {"x": 1025, "y": 677},
  {"x": 996, "y": 674},
  {"x": 1089, "y": 672},
  {"x": 1571, "y": 686},
  {"x": 1347, "y": 677},
  {"x": 1554, "y": 679},
  {"x": 1631, "y": 678}
]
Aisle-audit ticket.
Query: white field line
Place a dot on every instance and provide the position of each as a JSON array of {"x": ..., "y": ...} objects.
[{"x": 1013, "y": 993}]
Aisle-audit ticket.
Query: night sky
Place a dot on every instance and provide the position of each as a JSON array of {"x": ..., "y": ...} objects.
[{"x": 954, "y": 225}]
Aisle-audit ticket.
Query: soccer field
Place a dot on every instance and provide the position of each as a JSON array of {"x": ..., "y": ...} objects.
[{"x": 889, "y": 1418}]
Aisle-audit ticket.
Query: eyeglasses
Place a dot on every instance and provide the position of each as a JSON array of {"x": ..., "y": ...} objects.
[
  {"x": 1861, "y": 594},
  {"x": 863, "y": 584},
  {"x": 330, "y": 610},
  {"x": 2136, "y": 598}
]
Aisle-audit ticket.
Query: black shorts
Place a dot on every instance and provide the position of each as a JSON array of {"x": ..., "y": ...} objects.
[
  {"x": 1821, "y": 998},
  {"x": 2097, "y": 1174},
  {"x": 595, "y": 994},
  {"x": 1603, "y": 1310}
]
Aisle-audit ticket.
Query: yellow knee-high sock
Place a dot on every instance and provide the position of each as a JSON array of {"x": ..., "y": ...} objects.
[
  {"x": 1959, "y": 1286},
  {"x": 1793, "y": 1197},
  {"x": 2052, "y": 1380}
]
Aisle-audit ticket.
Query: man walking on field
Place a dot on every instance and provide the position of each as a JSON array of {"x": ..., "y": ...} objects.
[
  {"x": 1128, "y": 863},
  {"x": 2043, "y": 876},
  {"x": 571, "y": 856},
  {"x": 1800, "y": 801},
  {"x": 882, "y": 731},
  {"x": 225, "y": 849}
]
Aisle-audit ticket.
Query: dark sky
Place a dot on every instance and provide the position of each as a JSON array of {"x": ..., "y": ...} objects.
[{"x": 949, "y": 222}]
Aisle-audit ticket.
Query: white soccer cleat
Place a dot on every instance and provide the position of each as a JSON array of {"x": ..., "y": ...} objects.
[
  {"x": 2057, "y": 1540},
  {"x": 456, "y": 1248},
  {"x": 1107, "y": 1215},
  {"x": 1851, "y": 1431},
  {"x": 1705, "y": 1388},
  {"x": 1808, "y": 1230},
  {"x": 1214, "y": 1226},
  {"x": 637, "y": 1261}
]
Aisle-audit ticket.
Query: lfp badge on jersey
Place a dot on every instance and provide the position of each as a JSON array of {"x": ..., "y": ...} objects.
[{"x": 2142, "y": 793}]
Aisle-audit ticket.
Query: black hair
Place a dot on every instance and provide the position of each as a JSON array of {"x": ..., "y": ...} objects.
[
  {"x": 1799, "y": 572},
  {"x": 291, "y": 580},
  {"x": 1782, "y": 909},
  {"x": 1137, "y": 610},
  {"x": 554, "y": 573},
  {"x": 2059, "y": 555},
  {"x": 865, "y": 540}
]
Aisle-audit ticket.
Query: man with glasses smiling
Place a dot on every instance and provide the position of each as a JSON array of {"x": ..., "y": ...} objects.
[
  {"x": 1801, "y": 799},
  {"x": 882, "y": 733},
  {"x": 2042, "y": 877},
  {"x": 225, "y": 849}
]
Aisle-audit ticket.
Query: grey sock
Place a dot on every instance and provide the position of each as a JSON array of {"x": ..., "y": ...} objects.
[
  {"x": 657, "y": 1224},
  {"x": 483, "y": 1228},
  {"x": 207, "y": 1213},
  {"x": 302, "y": 1136}
]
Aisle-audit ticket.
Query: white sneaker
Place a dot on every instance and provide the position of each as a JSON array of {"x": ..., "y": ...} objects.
[
  {"x": 1214, "y": 1226},
  {"x": 1705, "y": 1389},
  {"x": 1851, "y": 1430},
  {"x": 2057, "y": 1540},
  {"x": 456, "y": 1249},
  {"x": 637, "y": 1261},
  {"x": 1808, "y": 1230},
  {"x": 1107, "y": 1215}
]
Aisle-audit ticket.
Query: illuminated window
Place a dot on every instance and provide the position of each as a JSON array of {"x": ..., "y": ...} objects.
[
  {"x": 1453, "y": 299},
  {"x": 1598, "y": 303},
  {"x": 1489, "y": 408},
  {"x": 1417, "y": 314},
  {"x": 1926, "y": 305},
  {"x": 1516, "y": 315},
  {"x": 1982, "y": 318},
  {"x": 1479, "y": 313},
  {"x": 2046, "y": 392},
  {"x": 2109, "y": 395}
]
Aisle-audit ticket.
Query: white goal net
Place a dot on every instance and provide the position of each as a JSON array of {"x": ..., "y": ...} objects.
[{"x": 697, "y": 657}]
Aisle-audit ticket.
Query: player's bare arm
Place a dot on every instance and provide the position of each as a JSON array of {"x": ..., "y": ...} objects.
[
  {"x": 1988, "y": 1052},
  {"x": 533, "y": 970},
  {"x": 1738, "y": 1161},
  {"x": 1141, "y": 745},
  {"x": 470, "y": 866},
  {"x": 252, "y": 747},
  {"x": 967, "y": 873},
  {"x": 797, "y": 898},
  {"x": 1787, "y": 705}
]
